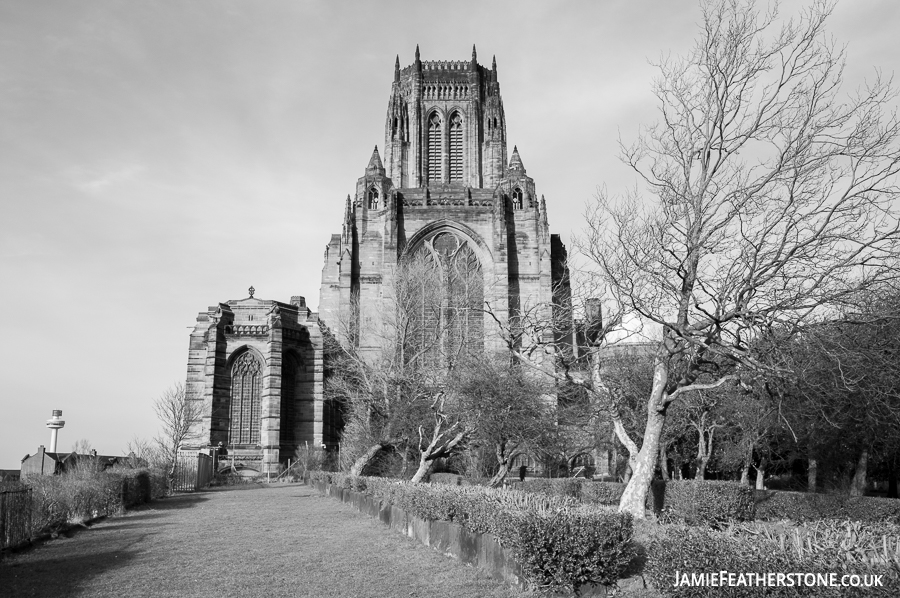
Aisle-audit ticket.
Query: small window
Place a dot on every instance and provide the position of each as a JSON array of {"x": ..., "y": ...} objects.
[
  {"x": 517, "y": 198},
  {"x": 373, "y": 198}
]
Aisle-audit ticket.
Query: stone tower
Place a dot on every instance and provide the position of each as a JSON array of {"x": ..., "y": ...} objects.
[{"x": 444, "y": 195}]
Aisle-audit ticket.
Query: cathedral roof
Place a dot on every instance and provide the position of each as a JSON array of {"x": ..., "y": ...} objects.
[{"x": 515, "y": 162}]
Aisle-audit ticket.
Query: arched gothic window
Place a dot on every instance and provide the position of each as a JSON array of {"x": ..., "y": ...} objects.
[
  {"x": 456, "y": 148},
  {"x": 517, "y": 198},
  {"x": 246, "y": 381},
  {"x": 442, "y": 287},
  {"x": 434, "y": 147},
  {"x": 373, "y": 198}
]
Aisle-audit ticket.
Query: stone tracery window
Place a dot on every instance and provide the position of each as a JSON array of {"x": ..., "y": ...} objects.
[
  {"x": 246, "y": 382},
  {"x": 444, "y": 293},
  {"x": 434, "y": 147},
  {"x": 517, "y": 198},
  {"x": 456, "y": 148},
  {"x": 373, "y": 198}
]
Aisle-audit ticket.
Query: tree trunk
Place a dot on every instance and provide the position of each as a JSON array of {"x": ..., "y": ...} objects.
[
  {"x": 858, "y": 485},
  {"x": 663, "y": 461},
  {"x": 812, "y": 473},
  {"x": 634, "y": 499},
  {"x": 405, "y": 462},
  {"x": 360, "y": 464},
  {"x": 614, "y": 457},
  {"x": 761, "y": 475},
  {"x": 643, "y": 462},
  {"x": 745, "y": 473},
  {"x": 424, "y": 467},
  {"x": 701, "y": 468},
  {"x": 503, "y": 459},
  {"x": 676, "y": 467}
]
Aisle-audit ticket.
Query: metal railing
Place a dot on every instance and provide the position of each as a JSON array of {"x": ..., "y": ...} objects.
[{"x": 193, "y": 471}]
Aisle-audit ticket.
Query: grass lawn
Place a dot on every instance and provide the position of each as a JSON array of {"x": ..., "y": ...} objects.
[{"x": 241, "y": 543}]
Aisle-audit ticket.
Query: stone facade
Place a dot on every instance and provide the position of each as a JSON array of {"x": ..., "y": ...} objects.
[
  {"x": 444, "y": 194},
  {"x": 444, "y": 186},
  {"x": 255, "y": 368}
]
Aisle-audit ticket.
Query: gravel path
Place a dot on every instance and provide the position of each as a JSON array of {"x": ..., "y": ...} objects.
[{"x": 265, "y": 542}]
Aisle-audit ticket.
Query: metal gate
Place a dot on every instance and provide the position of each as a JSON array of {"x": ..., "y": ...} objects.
[{"x": 193, "y": 471}]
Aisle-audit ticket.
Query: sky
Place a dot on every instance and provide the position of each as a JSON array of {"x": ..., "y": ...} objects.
[{"x": 159, "y": 157}]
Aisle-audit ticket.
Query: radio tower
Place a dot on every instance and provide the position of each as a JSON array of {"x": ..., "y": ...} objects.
[{"x": 55, "y": 423}]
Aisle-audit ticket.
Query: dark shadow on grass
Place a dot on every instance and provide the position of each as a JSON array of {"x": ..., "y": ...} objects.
[
  {"x": 53, "y": 577},
  {"x": 178, "y": 501}
]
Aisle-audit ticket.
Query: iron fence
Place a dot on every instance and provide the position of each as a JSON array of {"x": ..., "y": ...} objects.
[{"x": 193, "y": 471}]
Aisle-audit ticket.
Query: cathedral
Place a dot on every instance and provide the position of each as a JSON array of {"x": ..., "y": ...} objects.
[{"x": 445, "y": 224}]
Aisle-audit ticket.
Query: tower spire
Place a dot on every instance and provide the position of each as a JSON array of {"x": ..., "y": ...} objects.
[
  {"x": 473, "y": 65},
  {"x": 494, "y": 70},
  {"x": 515, "y": 161},
  {"x": 375, "y": 166},
  {"x": 418, "y": 62},
  {"x": 397, "y": 69},
  {"x": 474, "y": 54}
]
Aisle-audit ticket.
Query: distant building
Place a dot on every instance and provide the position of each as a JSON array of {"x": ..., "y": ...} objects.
[{"x": 46, "y": 463}]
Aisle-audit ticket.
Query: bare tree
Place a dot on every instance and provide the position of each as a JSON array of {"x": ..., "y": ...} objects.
[
  {"x": 507, "y": 408},
  {"x": 178, "y": 418},
  {"x": 82, "y": 446},
  {"x": 396, "y": 395},
  {"x": 145, "y": 453},
  {"x": 770, "y": 201}
]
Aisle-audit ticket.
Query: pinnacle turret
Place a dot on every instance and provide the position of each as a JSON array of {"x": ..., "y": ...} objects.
[
  {"x": 515, "y": 162},
  {"x": 397, "y": 69},
  {"x": 375, "y": 165}
]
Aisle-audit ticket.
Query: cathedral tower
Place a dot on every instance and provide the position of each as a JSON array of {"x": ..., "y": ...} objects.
[{"x": 445, "y": 208}]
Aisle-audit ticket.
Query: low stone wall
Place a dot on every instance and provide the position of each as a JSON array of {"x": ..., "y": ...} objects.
[{"x": 450, "y": 539}]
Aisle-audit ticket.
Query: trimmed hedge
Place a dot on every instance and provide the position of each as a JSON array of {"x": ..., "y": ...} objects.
[
  {"x": 587, "y": 491},
  {"x": 703, "y": 502},
  {"x": 572, "y": 547},
  {"x": 559, "y": 542},
  {"x": 805, "y": 506},
  {"x": 602, "y": 493}
]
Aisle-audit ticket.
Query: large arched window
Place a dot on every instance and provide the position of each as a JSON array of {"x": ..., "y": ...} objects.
[
  {"x": 434, "y": 147},
  {"x": 442, "y": 290},
  {"x": 373, "y": 198},
  {"x": 246, "y": 382},
  {"x": 456, "y": 148}
]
